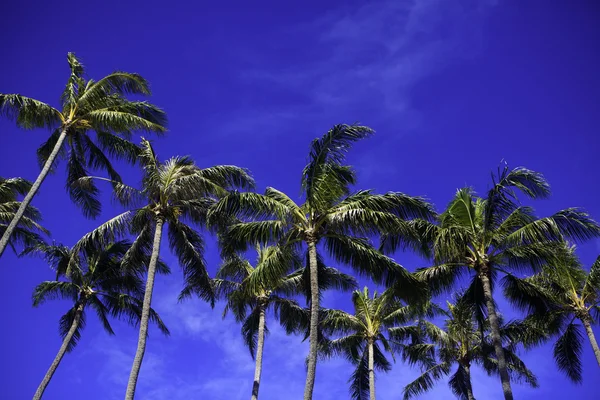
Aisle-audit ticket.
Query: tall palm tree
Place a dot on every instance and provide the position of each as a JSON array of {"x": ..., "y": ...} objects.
[
  {"x": 374, "y": 322},
  {"x": 332, "y": 216},
  {"x": 176, "y": 194},
  {"x": 558, "y": 297},
  {"x": 494, "y": 235},
  {"x": 462, "y": 342},
  {"x": 28, "y": 231},
  {"x": 251, "y": 291},
  {"x": 95, "y": 280},
  {"x": 86, "y": 105}
]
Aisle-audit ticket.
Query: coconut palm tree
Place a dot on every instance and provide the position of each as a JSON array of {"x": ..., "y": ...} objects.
[
  {"x": 462, "y": 342},
  {"x": 494, "y": 235},
  {"x": 86, "y": 106},
  {"x": 28, "y": 231},
  {"x": 374, "y": 323},
  {"x": 331, "y": 216},
  {"x": 558, "y": 297},
  {"x": 95, "y": 280},
  {"x": 175, "y": 194},
  {"x": 251, "y": 291}
]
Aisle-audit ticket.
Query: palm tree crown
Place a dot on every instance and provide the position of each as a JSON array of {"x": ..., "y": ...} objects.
[
  {"x": 374, "y": 323},
  {"x": 331, "y": 215},
  {"x": 86, "y": 106},
  {"x": 28, "y": 231},
  {"x": 495, "y": 235},
  {"x": 461, "y": 341},
  {"x": 176, "y": 194},
  {"x": 558, "y": 297},
  {"x": 251, "y": 291},
  {"x": 94, "y": 280}
]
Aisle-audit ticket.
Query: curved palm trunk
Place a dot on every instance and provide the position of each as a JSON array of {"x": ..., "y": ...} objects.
[
  {"x": 61, "y": 352},
  {"x": 32, "y": 192},
  {"x": 314, "y": 321},
  {"x": 467, "y": 369},
  {"x": 371, "y": 371},
  {"x": 495, "y": 334},
  {"x": 141, "y": 347},
  {"x": 590, "y": 333},
  {"x": 259, "y": 352}
]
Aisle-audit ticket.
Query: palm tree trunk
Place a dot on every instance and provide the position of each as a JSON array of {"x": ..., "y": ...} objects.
[
  {"x": 469, "y": 385},
  {"x": 495, "y": 333},
  {"x": 590, "y": 333},
  {"x": 141, "y": 347},
  {"x": 259, "y": 351},
  {"x": 32, "y": 192},
  {"x": 61, "y": 352},
  {"x": 371, "y": 371},
  {"x": 314, "y": 320}
]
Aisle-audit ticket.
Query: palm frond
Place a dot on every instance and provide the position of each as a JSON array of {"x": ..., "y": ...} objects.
[
  {"x": 65, "y": 323},
  {"x": 29, "y": 113},
  {"x": 327, "y": 151},
  {"x": 425, "y": 381},
  {"x": 50, "y": 290},
  {"x": 188, "y": 246},
  {"x": 460, "y": 382},
  {"x": 359, "y": 381},
  {"x": 567, "y": 352}
]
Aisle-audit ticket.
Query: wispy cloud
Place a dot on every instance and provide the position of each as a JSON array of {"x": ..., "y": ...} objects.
[{"x": 364, "y": 61}]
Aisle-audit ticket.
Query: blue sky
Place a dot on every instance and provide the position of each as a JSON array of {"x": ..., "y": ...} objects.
[{"x": 451, "y": 87}]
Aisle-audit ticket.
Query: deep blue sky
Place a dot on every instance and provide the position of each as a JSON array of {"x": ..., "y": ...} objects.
[{"x": 451, "y": 87}]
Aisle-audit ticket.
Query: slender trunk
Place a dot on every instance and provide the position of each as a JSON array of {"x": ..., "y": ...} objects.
[
  {"x": 467, "y": 369},
  {"x": 32, "y": 192},
  {"x": 61, "y": 352},
  {"x": 259, "y": 351},
  {"x": 314, "y": 320},
  {"x": 141, "y": 347},
  {"x": 371, "y": 371},
  {"x": 495, "y": 333},
  {"x": 590, "y": 333}
]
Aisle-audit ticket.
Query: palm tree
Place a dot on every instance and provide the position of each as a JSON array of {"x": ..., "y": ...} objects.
[
  {"x": 251, "y": 291},
  {"x": 494, "y": 235},
  {"x": 556, "y": 298},
  {"x": 28, "y": 231},
  {"x": 331, "y": 215},
  {"x": 86, "y": 105},
  {"x": 462, "y": 342},
  {"x": 95, "y": 280},
  {"x": 176, "y": 193},
  {"x": 361, "y": 334}
]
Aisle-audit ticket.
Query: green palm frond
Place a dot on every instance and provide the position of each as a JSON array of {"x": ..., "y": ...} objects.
[
  {"x": 591, "y": 288},
  {"x": 51, "y": 290},
  {"x": 439, "y": 278},
  {"x": 571, "y": 223},
  {"x": 326, "y": 154},
  {"x": 526, "y": 295},
  {"x": 425, "y": 381},
  {"x": 75, "y": 82},
  {"x": 120, "y": 83},
  {"x": 251, "y": 206},
  {"x": 28, "y": 113},
  {"x": 501, "y": 197},
  {"x": 188, "y": 245},
  {"x": 128, "y": 117},
  {"x": 359, "y": 381},
  {"x": 250, "y": 330},
  {"x": 459, "y": 383},
  {"x": 567, "y": 352},
  {"x": 28, "y": 232},
  {"x": 367, "y": 261},
  {"x": 65, "y": 323}
]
